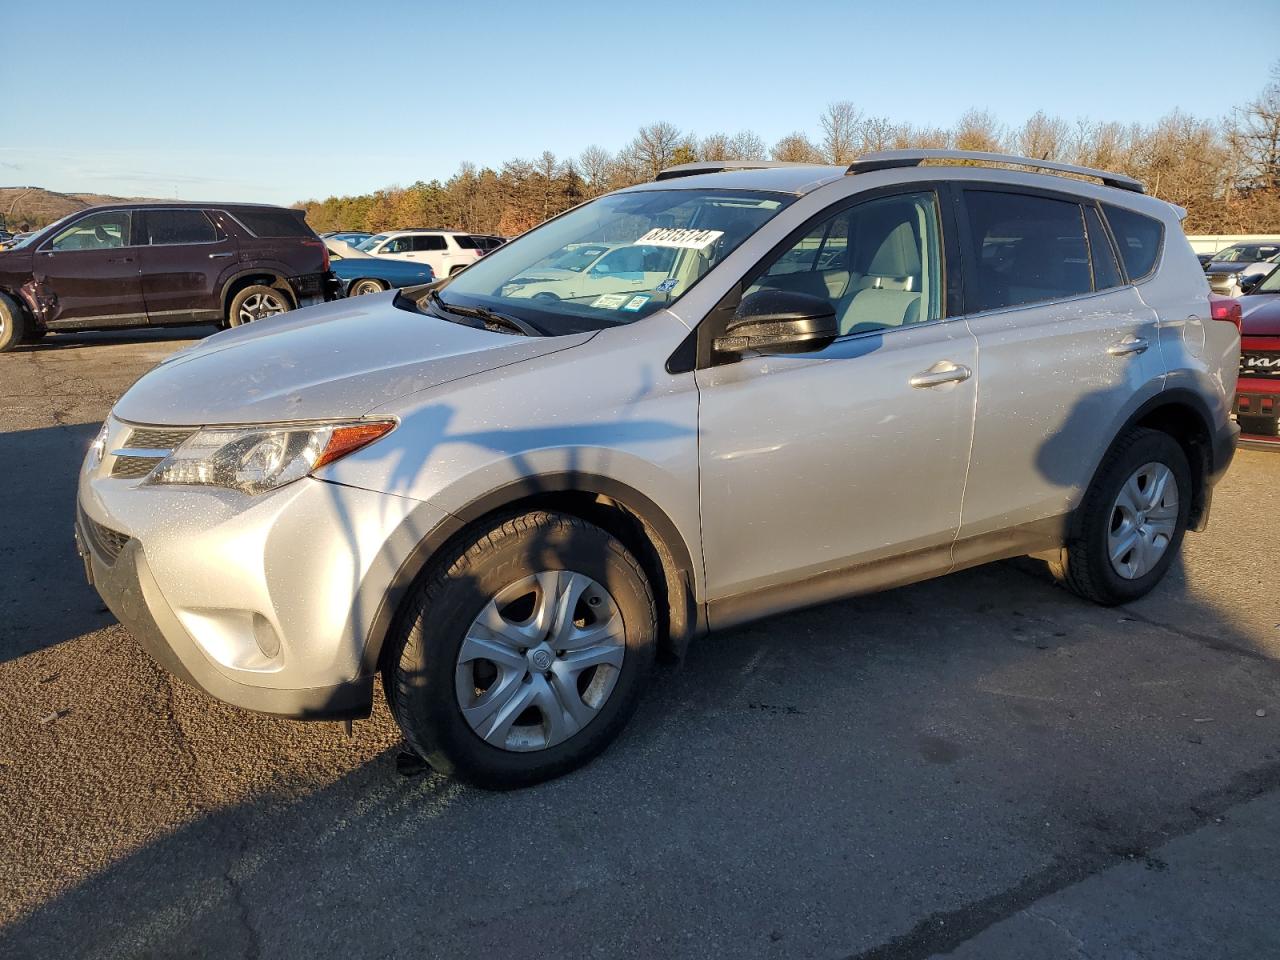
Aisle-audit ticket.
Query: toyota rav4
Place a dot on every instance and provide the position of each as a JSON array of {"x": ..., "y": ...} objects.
[{"x": 807, "y": 382}]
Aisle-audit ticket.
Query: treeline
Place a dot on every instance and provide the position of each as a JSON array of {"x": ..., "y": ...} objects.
[{"x": 1226, "y": 172}]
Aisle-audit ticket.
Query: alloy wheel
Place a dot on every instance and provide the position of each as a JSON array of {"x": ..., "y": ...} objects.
[{"x": 260, "y": 305}]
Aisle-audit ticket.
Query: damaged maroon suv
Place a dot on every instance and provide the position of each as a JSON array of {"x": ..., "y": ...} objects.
[{"x": 146, "y": 265}]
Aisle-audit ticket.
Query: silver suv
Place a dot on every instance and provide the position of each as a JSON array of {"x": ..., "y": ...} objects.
[{"x": 792, "y": 384}]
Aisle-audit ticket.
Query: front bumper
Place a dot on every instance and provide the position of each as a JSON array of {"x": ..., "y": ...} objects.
[
  {"x": 130, "y": 591},
  {"x": 265, "y": 602}
]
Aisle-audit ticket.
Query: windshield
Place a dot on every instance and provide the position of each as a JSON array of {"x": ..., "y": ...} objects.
[
  {"x": 1245, "y": 252},
  {"x": 613, "y": 260},
  {"x": 367, "y": 245}
]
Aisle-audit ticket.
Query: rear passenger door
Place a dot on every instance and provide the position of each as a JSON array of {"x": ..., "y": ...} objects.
[
  {"x": 184, "y": 255},
  {"x": 1064, "y": 346}
]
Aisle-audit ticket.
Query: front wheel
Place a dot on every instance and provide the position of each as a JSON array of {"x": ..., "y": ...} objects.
[
  {"x": 523, "y": 653},
  {"x": 1130, "y": 525},
  {"x": 256, "y": 302}
]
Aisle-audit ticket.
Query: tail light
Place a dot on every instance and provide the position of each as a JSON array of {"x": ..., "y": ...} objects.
[
  {"x": 324, "y": 249},
  {"x": 1225, "y": 308}
]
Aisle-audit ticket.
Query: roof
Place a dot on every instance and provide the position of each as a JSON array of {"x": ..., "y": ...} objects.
[
  {"x": 186, "y": 205},
  {"x": 802, "y": 178}
]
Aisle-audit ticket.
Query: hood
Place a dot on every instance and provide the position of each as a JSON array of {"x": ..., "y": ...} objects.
[
  {"x": 1262, "y": 320},
  {"x": 341, "y": 359},
  {"x": 1227, "y": 266}
]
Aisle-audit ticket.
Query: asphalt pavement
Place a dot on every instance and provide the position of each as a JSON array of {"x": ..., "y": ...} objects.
[{"x": 981, "y": 766}]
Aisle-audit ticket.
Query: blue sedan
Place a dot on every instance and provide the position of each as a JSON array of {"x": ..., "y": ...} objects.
[{"x": 374, "y": 274}]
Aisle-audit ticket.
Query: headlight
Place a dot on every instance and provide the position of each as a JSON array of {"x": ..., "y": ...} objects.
[
  {"x": 97, "y": 448},
  {"x": 257, "y": 459}
]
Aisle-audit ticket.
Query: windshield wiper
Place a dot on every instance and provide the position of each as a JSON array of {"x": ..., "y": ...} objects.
[{"x": 486, "y": 316}]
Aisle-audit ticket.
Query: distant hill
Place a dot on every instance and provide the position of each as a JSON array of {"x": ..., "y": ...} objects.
[{"x": 37, "y": 206}]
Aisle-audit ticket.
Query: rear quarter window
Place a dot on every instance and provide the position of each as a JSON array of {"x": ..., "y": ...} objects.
[
  {"x": 1139, "y": 238},
  {"x": 273, "y": 222}
]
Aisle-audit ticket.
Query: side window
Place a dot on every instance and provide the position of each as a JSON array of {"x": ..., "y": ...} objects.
[
  {"x": 1025, "y": 249},
  {"x": 162, "y": 227},
  {"x": 98, "y": 231},
  {"x": 397, "y": 245},
  {"x": 1106, "y": 272},
  {"x": 879, "y": 263},
  {"x": 1139, "y": 238},
  {"x": 429, "y": 242}
]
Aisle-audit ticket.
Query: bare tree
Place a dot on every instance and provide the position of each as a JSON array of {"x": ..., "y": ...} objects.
[
  {"x": 978, "y": 130},
  {"x": 796, "y": 148},
  {"x": 1254, "y": 137},
  {"x": 655, "y": 146},
  {"x": 878, "y": 133},
  {"x": 595, "y": 164},
  {"x": 745, "y": 145},
  {"x": 840, "y": 131},
  {"x": 1043, "y": 137}
]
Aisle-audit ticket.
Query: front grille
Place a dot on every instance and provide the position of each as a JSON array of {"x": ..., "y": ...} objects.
[
  {"x": 157, "y": 438},
  {"x": 133, "y": 468},
  {"x": 1260, "y": 364},
  {"x": 104, "y": 541}
]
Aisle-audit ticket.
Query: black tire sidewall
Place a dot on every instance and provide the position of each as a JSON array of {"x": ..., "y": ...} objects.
[
  {"x": 424, "y": 698},
  {"x": 377, "y": 287},
  {"x": 1150, "y": 447}
]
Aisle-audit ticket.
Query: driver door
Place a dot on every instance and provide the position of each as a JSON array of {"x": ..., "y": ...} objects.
[
  {"x": 89, "y": 275},
  {"x": 827, "y": 473}
]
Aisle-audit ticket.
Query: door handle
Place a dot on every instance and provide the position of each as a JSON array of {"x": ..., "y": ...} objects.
[
  {"x": 944, "y": 371},
  {"x": 220, "y": 256},
  {"x": 119, "y": 259},
  {"x": 1127, "y": 346}
]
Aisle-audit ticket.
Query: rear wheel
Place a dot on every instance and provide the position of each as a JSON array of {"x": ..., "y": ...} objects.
[
  {"x": 523, "y": 653},
  {"x": 14, "y": 326},
  {"x": 1130, "y": 525},
  {"x": 256, "y": 302},
  {"x": 361, "y": 287},
  {"x": 454, "y": 271}
]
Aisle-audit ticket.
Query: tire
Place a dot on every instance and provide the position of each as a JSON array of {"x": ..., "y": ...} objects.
[
  {"x": 499, "y": 574},
  {"x": 361, "y": 287},
  {"x": 1105, "y": 523},
  {"x": 256, "y": 302},
  {"x": 454, "y": 271},
  {"x": 546, "y": 295},
  {"x": 14, "y": 325}
]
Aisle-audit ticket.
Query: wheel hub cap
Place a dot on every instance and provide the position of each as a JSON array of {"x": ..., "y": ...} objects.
[
  {"x": 540, "y": 660},
  {"x": 1143, "y": 520}
]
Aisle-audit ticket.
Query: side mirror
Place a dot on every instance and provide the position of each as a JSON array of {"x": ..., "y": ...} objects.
[{"x": 779, "y": 321}]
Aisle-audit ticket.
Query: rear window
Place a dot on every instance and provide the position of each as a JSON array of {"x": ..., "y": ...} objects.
[
  {"x": 272, "y": 222},
  {"x": 1028, "y": 249},
  {"x": 1139, "y": 238}
]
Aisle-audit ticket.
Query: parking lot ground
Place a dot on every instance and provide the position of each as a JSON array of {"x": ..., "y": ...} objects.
[{"x": 980, "y": 766}]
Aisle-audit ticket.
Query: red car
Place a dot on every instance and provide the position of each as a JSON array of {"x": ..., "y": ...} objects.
[{"x": 1257, "y": 406}]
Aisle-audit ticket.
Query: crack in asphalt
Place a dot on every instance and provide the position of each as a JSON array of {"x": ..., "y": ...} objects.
[{"x": 944, "y": 931}]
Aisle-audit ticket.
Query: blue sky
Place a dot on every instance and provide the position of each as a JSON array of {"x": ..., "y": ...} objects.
[{"x": 279, "y": 101}]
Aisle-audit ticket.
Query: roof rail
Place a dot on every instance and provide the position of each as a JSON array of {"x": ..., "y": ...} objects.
[
  {"x": 721, "y": 166},
  {"x": 892, "y": 159}
]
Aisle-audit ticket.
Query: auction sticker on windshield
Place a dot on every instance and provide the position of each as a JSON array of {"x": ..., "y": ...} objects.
[
  {"x": 679, "y": 237},
  {"x": 609, "y": 301}
]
